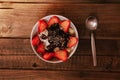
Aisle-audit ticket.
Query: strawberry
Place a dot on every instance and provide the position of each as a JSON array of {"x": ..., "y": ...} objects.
[
  {"x": 48, "y": 56},
  {"x": 41, "y": 48},
  {"x": 65, "y": 25},
  {"x": 42, "y": 26},
  {"x": 35, "y": 40},
  {"x": 61, "y": 54},
  {"x": 53, "y": 20},
  {"x": 72, "y": 42}
]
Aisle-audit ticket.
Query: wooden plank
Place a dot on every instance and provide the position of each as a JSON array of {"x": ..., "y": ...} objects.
[
  {"x": 82, "y": 63},
  {"x": 15, "y": 47},
  {"x": 23, "y": 47},
  {"x": 56, "y": 75},
  {"x": 50, "y": 1},
  {"x": 62, "y": 1},
  {"x": 19, "y": 20}
]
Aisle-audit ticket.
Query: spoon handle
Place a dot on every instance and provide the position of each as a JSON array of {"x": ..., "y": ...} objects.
[{"x": 93, "y": 49}]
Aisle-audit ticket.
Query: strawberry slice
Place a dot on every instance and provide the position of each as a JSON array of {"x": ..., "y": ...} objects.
[
  {"x": 42, "y": 26},
  {"x": 65, "y": 25},
  {"x": 72, "y": 42},
  {"x": 61, "y": 54},
  {"x": 53, "y": 20},
  {"x": 48, "y": 56},
  {"x": 35, "y": 40},
  {"x": 41, "y": 48}
]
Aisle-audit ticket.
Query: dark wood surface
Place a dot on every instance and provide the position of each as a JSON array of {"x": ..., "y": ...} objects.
[{"x": 18, "y": 61}]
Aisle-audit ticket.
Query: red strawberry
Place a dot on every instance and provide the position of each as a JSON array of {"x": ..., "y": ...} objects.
[
  {"x": 61, "y": 54},
  {"x": 72, "y": 42},
  {"x": 53, "y": 20},
  {"x": 42, "y": 25},
  {"x": 41, "y": 48},
  {"x": 35, "y": 40},
  {"x": 65, "y": 25},
  {"x": 48, "y": 56}
]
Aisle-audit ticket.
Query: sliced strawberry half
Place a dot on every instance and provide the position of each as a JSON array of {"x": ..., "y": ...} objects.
[
  {"x": 72, "y": 42},
  {"x": 35, "y": 40},
  {"x": 53, "y": 20},
  {"x": 42, "y": 26},
  {"x": 48, "y": 56},
  {"x": 41, "y": 48},
  {"x": 61, "y": 54},
  {"x": 65, "y": 25}
]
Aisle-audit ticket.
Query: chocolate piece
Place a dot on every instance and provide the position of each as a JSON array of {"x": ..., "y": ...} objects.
[
  {"x": 43, "y": 36},
  {"x": 57, "y": 38}
]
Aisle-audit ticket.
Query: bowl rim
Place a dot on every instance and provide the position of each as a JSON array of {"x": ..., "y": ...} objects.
[{"x": 48, "y": 17}]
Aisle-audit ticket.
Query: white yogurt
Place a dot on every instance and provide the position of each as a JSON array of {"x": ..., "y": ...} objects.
[{"x": 45, "y": 41}]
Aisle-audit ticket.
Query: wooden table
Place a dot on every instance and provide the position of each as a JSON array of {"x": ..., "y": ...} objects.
[{"x": 18, "y": 61}]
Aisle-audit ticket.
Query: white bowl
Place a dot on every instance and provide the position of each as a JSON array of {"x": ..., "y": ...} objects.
[{"x": 35, "y": 29}]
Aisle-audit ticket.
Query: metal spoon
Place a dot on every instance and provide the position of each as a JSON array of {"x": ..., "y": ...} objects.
[{"x": 91, "y": 24}]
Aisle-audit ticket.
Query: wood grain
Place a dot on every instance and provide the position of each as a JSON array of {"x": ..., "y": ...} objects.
[
  {"x": 19, "y": 19},
  {"x": 77, "y": 63},
  {"x": 56, "y": 75},
  {"x": 62, "y": 1},
  {"x": 15, "y": 47},
  {"x": 23, "y": 47}
]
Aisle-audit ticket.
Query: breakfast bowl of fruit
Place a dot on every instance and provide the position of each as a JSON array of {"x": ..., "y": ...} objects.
[{"x": 54, "y": 38}]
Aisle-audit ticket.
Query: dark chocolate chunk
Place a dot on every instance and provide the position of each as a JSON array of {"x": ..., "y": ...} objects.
[{"x": 56, "y": 37}]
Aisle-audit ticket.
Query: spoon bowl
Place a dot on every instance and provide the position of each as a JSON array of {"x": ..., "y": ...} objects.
[{"x": 91, "y": 23}]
